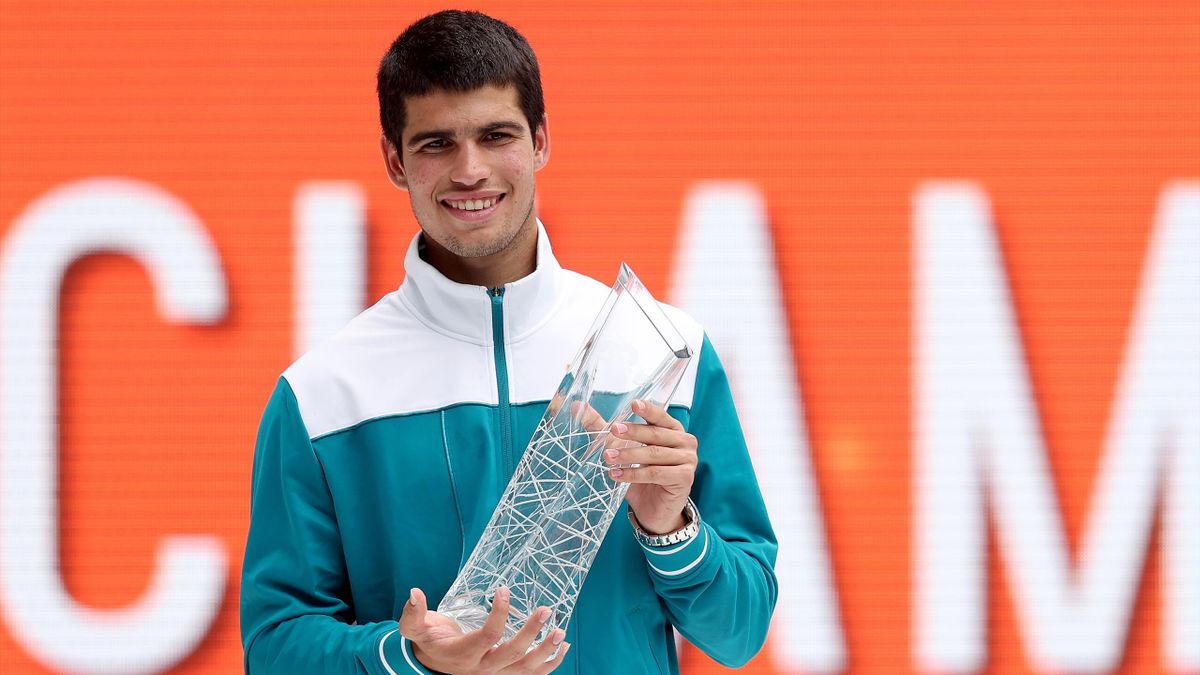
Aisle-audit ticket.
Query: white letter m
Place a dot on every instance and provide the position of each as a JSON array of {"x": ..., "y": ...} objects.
[{"x": 976, "y": 432}]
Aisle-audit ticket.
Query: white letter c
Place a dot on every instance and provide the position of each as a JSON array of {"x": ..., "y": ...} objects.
[{"x": 163, "y": 234}]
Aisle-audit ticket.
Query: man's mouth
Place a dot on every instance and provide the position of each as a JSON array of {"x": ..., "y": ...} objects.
[
  {"x": 473, "y": 204},
  {"x": 473, "y": 210}
]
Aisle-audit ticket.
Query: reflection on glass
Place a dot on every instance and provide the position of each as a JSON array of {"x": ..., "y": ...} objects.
[{"x": 544, "y": 533}]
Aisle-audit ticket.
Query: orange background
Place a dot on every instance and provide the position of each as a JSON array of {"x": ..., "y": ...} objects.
[{"x": 1072, "y": 116}]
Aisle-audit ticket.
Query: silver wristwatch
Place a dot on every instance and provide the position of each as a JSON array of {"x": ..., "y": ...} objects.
[{"x": 689, "y": 530}]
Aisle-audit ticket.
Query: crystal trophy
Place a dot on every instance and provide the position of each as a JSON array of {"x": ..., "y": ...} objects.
[{"x": 552, "y": 517}]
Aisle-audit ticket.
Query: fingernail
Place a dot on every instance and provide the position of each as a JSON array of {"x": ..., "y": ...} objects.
[
  {"x": 412, "y": 597},
  {"x": 639, "y": 404},
  {"x": 621, "y": 428},
  {"x": 502, "y": 593},
  {"x": 616, "y": 473},
  {"x": 611, "y": 454},
  {"x": 543, "y": 614},
  {"x": 559, "y": 635}
]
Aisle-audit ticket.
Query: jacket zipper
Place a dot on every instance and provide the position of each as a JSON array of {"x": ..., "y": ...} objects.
[{"x": 497, "y": 295}]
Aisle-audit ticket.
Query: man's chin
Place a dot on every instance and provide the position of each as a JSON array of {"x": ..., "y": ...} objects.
[
  {"x": 469, "y": 228},
  {"x": 479, "y": 244}
]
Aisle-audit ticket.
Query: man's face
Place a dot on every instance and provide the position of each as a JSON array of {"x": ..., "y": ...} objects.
[{"x": 468, "y": 165}]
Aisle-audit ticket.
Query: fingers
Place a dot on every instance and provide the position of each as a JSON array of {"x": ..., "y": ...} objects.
[
  {"x": 550, "y": 665},
  {"x": 539, "y": 660},
  {"x": 588, "y": 417},
  {"x": 412, "y": 619},
  {"x": 493, "y": 628},
  {"x": 652, "y": 435},
  {"x": 654, "y": 444},
  {"x": 661, "y": 428},
  {"x": 656, "y": 415},
  {"x": 650, "y": 454},
  {"x": 649, "y": 435},
  {"x": 556, "y": 403},
  {"x": 656, "y": 432},
  {"x": 514, "y": 650},
  {"x": 672, "y": 478}
]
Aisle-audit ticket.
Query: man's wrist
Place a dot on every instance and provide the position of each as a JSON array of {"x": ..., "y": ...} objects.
[
  {"x": 685, "y": 528},
  {"x": 678, "y": 523},
  {"x": 422, "y": 658},
  {"x": 398, "y": 655}
]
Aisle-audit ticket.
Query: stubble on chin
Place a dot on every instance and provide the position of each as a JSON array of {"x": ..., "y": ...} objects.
[
  {"x": 478, "y": 250},
  {"x": 485, "y": 248}
]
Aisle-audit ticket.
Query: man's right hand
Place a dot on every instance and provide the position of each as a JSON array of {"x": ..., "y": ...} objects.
[{"x": 439, "y": 644}]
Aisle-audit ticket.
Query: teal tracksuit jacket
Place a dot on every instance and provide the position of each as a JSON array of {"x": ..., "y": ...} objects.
[{"x": 383, "y": 452}]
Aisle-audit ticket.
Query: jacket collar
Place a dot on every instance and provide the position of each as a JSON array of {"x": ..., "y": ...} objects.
[{"x": 464, "y": 311}]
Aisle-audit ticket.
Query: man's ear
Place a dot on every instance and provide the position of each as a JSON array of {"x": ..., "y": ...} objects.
[
  {"x": 393, "y": 163},
  {"x": 541, "y": 144}
]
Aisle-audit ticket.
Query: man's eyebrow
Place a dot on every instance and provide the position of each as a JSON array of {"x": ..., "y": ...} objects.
[{"x": 503, "y": 125}]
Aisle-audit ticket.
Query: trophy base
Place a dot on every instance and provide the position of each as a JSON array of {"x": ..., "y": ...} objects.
[{"x": 471, "y": 617}]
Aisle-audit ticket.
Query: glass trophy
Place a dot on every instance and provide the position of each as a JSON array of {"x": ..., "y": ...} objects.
[{"x": 548, "y": 526}]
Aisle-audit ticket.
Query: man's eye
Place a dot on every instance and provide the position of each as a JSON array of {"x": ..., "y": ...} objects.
[
  {"x": 434, "y": 145},
  {"x": 497, "y": 136}
]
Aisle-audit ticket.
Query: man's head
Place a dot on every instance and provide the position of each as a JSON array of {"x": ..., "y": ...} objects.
[
  {"x": 464, "y": 131},
  {"x": 456, "y": 51}
]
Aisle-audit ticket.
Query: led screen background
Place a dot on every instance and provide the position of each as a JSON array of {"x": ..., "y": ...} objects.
[{"x": 1072, "y": 118}]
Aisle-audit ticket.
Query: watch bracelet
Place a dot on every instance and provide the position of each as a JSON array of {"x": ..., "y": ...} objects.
[{"x": 688, "y": 531}]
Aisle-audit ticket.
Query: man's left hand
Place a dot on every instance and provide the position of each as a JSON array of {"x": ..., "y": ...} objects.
[{"x": 667, "y": 462}]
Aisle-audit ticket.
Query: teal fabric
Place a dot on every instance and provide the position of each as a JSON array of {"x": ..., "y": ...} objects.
[
  {"x": 342, "y": 527},
  {"x": 506, "y": 440}
]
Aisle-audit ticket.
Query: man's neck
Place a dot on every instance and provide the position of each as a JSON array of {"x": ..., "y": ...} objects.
[{"x": 516, "y": 261}]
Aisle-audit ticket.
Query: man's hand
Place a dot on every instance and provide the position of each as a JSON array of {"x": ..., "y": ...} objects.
[
  {"x": 439, "y": 644},
  {"x": 667, "y": 459}
]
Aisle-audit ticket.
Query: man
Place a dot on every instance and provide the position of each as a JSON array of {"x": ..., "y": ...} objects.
[{"x": 383, "y": 452}]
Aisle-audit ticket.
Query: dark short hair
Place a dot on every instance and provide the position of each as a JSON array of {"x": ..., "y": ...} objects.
[{"x": 456, "y": 51}]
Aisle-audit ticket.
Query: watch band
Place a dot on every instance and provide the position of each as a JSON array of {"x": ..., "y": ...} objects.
[{"x": 689, "y": 530}]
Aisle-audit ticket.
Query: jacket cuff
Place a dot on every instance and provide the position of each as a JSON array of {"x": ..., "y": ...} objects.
[
  {"x": 396, "y": 655},
  {"x": 680, "y": 561}
]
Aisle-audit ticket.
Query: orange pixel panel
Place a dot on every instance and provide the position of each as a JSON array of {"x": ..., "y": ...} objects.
[{"x": 1074, "y": 122}]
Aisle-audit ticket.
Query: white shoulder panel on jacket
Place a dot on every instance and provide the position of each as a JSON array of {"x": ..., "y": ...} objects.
[{"x": 387, "y": 362}]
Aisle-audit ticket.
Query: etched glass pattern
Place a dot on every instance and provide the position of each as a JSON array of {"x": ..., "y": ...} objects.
[{"x": 551, "y": 519}]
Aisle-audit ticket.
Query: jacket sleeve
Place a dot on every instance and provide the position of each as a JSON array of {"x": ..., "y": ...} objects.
[
  {"x": 719, "y": 588},
  {"x": 295, "y": 611}
]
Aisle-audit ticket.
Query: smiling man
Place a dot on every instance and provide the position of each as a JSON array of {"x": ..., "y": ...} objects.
[
  {"x": 383, "y": 451},
  {"x": 467, "y": 160}
]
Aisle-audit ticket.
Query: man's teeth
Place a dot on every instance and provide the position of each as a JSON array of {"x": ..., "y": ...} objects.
[{"x": 474, "y": 204}]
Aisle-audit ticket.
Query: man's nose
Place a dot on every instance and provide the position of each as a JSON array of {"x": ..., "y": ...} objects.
[{"x": 470, "y": 166}]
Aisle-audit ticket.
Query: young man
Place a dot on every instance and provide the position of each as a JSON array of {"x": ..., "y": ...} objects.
[{"x": 383, "y": 452}]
